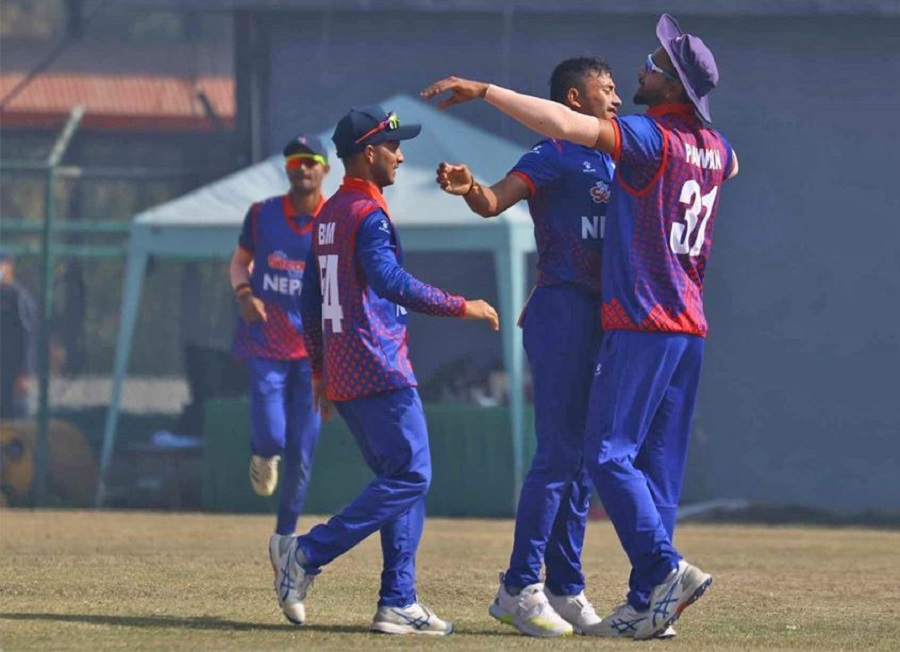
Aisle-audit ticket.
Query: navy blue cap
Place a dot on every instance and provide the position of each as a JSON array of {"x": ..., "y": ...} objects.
[
  {"x": 305, "y": 144},
  {"x": 362, "y": 120}
]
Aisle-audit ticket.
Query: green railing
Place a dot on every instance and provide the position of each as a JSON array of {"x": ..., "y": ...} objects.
[
  {"x": 41, "y": 240},
  {"x": 84, "y": 227}
]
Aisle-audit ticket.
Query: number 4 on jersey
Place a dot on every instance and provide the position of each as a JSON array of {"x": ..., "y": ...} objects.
[
  {"x": 328, "y": 281},
  {"x": 680, "y": 236}
]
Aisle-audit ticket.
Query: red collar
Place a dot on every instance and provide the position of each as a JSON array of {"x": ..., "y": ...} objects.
[
  {"x": 665, "y": 109},
  {"x": 367, "y": 188},
  {"x": 318, "y": 207},
  {"x": 291, "y": 213}
]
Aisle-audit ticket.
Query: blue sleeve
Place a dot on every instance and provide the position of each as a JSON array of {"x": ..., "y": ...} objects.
[
  {"x": 311, "y": 313},
  {"x": 377, "y": 255},
  {"x": 730, "y": 157},
  {"x": 540, "y": 166},
  {"x": 247, "y": 239},
  {"x": 640, "y": 150},
  {"x": 641, "y": 141}
]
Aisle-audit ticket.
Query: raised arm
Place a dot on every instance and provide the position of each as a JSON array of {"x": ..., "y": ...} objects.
[{"x": 546, "y": 117}]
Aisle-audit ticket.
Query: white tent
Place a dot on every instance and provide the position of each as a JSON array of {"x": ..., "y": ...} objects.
[{"x": 205, "y": 224}]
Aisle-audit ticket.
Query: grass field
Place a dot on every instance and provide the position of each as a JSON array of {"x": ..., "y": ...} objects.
[{"x": 104, "y": 581}]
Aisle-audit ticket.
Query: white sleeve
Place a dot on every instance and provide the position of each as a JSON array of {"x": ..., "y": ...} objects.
[{"x": 546, "y": 117}]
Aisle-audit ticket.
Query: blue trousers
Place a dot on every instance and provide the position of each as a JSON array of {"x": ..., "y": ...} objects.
[
  {"x": 284, "y": 423},
  {"x": 639, "y": 422},
  {"x": 391, "y": 433},
  {"x": 562, "y": 335}
]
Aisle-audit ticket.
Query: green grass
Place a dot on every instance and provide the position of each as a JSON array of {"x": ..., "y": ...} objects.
[{"x": 87, "y": 580}]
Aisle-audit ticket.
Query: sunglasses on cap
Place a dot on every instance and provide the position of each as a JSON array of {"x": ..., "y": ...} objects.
[
  {"x": 297, "y": 161},
  {"x": 650, "y": 66},
  {"x": 390, "y": 123}
]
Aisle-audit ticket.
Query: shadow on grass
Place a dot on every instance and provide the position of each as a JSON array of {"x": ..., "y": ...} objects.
[
  {"x": 201, "y": 623},
  {"x": 208, "y": 623}
]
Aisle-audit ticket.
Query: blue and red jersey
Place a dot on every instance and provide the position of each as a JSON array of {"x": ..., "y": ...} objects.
[
  {"x": 570, "y": 188},
  {"x": 356, "y": 295},
  {"x": 670, "y": 168},
  {"x": 279, "y": 240}
]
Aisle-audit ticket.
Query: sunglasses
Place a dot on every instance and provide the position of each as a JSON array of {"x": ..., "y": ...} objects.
[
  {"x": 652, "y": 67},
  {"x": 297, "y": 161},
  {"x": 390, "y": 123}
]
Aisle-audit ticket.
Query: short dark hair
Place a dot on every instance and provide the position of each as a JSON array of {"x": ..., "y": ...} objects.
[{"x": 571, "y": 73}]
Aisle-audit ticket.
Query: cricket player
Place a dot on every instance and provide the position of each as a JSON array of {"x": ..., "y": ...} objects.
[
  {"x": 355, "y": 299},
  {"x": 567, "y": 186},
  {"x": 670, "y": 170},
  {"x": 266, "y": 276}
]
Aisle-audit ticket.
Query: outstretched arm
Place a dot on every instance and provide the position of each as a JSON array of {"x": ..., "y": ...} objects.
[
  {"x": 487, "y": 201},
  {"x": 389, "y": 280},
  {"x": 546, "y": 117}
]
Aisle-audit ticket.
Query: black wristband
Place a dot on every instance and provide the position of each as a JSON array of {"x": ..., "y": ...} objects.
[{"x": 471, "y": 187}]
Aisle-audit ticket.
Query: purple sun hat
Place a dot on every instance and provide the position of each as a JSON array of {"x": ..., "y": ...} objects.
[{"x": 694, "y": 62}]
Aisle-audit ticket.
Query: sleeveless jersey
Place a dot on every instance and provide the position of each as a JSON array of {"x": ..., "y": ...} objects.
[{"x": 279, "y": 240}]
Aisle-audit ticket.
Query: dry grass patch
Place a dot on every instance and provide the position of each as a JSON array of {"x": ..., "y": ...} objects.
[{"x": 89, "y": 580}]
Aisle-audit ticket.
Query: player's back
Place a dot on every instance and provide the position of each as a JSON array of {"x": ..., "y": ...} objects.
[
  {"x": 663, "y": 230},
  {"x": 364, "y": 335}
]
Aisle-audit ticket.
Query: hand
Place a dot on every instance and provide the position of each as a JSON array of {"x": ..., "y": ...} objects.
[
  {"x": 454, "y": 179},
  {"x": 462, "y": 90},
  {"x": 479, "y": 309},
  {"x": 251, "y": 308},
  {"x": 320, "y": 400}
]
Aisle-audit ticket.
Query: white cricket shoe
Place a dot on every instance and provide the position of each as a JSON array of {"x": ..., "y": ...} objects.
[
  {"x": 684, "y": 585},
  {"x": 412, "y": 619},
  {"x": 623, "y": 623},
  {"x": 574, "y": 609},
  {"x": 264, "y": 474},
  {"x": 291, "y": 581},
  {"x": 529, "y": 612}
]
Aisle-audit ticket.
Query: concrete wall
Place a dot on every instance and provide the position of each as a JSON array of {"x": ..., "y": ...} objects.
[{"x": 803, "y": 291}]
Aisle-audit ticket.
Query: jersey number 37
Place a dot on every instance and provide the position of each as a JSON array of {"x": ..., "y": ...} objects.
[{"x": 682, "y": 232}]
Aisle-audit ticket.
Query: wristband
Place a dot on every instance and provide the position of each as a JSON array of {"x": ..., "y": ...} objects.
[
  {"x": 471, "y": 187},
  {"x": 240, "y": 286}
]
